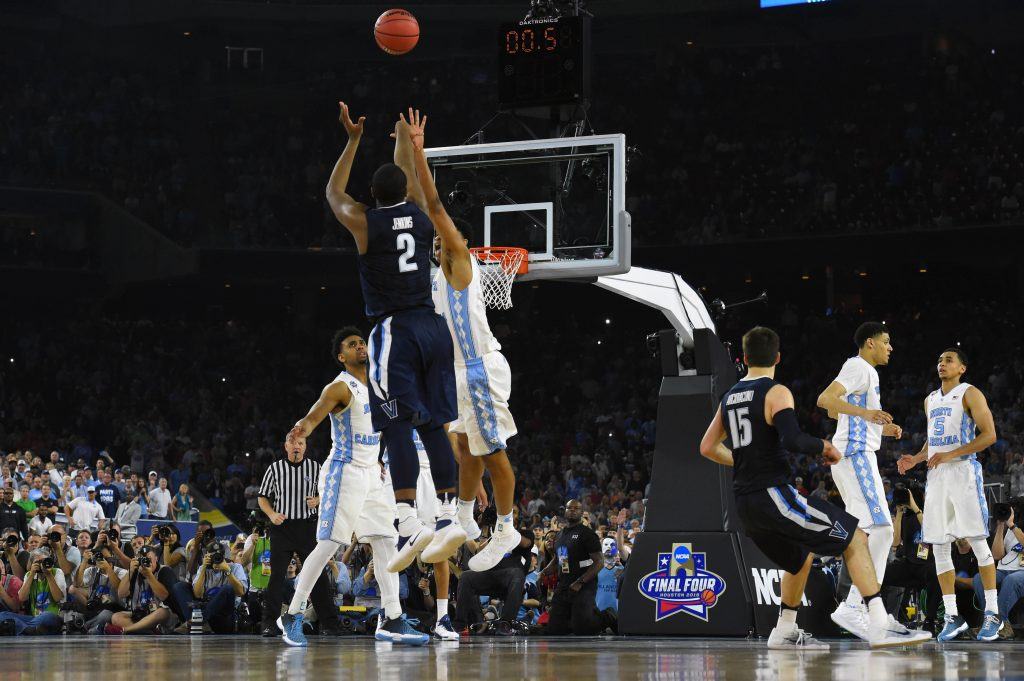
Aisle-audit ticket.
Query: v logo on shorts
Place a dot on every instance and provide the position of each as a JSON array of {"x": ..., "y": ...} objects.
[
  {"x": 838, "y": 531},
  {"x": 390, "y": 408}
]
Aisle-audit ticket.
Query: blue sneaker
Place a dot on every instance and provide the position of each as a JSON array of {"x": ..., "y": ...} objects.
[
  {"x": 990, "y": 627},
  {"x": 398, "y": 630},
  {"x": 291, "y": 630},
  {"x": 955, "y": 625}
]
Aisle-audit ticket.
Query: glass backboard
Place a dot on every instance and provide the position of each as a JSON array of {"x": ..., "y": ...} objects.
[{"x": 561, "y": 199}]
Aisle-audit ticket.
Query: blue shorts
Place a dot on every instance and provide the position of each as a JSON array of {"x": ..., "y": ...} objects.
[{"x": 412, "y": 370}]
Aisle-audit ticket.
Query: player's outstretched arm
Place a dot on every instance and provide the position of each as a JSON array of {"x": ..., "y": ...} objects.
[
  {"x": 908, "y": 461},
  {"x": 978, "y": 407},
  {"x": 334, "y": 395},
  {"x": 404, "y": 160},
  {"x": 712, "y": 444},
  {"x": 457, "y": 265},
  {"x": 347, "y": 210},
  {"x": 780, "y": 412}
]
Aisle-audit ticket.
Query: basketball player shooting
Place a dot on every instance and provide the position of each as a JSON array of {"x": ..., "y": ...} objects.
[
  {"x": 353, "y": 496},
  {"x": 789, "y": 528},
  {"x": 411, "y": 356},
  {"x": 855, "y": 398},
  {"x": 960, "y": 425},
  {"x": 482, "y": 375}
]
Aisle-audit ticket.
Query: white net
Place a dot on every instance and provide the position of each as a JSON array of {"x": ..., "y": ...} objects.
[{"x": 498, "y": 270}]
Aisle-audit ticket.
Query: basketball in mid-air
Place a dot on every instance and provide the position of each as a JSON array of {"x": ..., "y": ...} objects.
[{"x": 396, "y": 31}]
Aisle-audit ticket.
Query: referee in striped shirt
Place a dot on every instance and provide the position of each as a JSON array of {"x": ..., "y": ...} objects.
[{"x": 289, "y": 497}]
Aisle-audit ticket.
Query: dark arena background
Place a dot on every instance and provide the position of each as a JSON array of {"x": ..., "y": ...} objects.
[{"x": 171, "y": 276}]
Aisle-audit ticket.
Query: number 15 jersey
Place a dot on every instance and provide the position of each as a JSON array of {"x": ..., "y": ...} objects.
[
  {"x": 759, "y": 461},
  {"x": 395, "y": 270}
]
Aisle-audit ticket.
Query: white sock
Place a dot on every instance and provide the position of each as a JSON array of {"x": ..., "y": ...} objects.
[
  {"x": 854, "y": 598},
  {"x": 787, "y": 619},
  {"x": 407, "y": 520},
  {"x": 504, "y": 524},
  {"x": 447, "y": 509},
  {"x": 950, "y": 603},
  {"x": 311, "y": 570},
  {"x": 442, "y": 608},
  {"x": 877, "y": 616},
  {"x": 992, "y": 601},
  {"x": 465, "y": 512}
]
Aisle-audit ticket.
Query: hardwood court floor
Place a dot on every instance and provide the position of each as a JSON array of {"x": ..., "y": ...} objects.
[{"x": 220, "y": 658}]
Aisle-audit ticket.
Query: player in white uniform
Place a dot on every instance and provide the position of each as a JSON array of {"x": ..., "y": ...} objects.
[
  {"x": 854, "y": 398},
  {"x": 353, "y": 496},
  {"x": 483, "y": 378},
  {"x": 960, "y": 425}
]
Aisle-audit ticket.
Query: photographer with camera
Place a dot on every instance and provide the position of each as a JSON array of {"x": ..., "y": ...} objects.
[
  {"x": 194, "y": 548},
  {"x": 40, "y": 596},
  {"x": 1008, "y": 552},
  {"x": 220, "y": 584},
  {"x": 10, "y": 585},
  {"x": 14, "y": 559},
  {"x": 96, "y": 582},
  {"x": 67, "y": 557},
  {"x": 172, "y": 553},
  {"x": 914, "y": 566},
  {"x": 505, "y": 581},
  {"x": 256, "y": 554},
  {"x": 144, "y": 591}
]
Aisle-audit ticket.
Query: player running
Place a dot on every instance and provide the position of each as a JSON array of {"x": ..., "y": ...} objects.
[
  {"x": 410, "y": 350},
  {"x": 483, "y": 377},
  {"x": 960, "y": 425},
  {"x": 854, "y": 397},
  {"x": 757, "y": 419},
  {"x": 353, "y": 497}
]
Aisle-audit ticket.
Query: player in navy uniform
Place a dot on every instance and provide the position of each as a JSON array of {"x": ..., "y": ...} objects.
[
  {"x": 411, "y": 370},
  {"x": 757, "y": 420}
]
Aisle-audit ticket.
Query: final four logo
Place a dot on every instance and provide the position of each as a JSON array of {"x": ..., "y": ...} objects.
[{"x": 681, "y": 583}]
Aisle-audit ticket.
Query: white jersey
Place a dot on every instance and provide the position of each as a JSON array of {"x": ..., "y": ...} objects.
[
  {"x": 466, "y": 315},
  {"x": 949, "y": 425},
  {"x": 352, "y": 432},
  {"x": 855, "y": 435}
]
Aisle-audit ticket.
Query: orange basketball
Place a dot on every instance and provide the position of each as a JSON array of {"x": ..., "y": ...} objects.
[
  {"x": 708, "y": 597},
  {"x": 396, "y": 31}
]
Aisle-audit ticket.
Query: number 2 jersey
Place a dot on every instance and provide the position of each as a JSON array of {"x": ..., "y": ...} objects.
[
  {"x": 395, "y": 270},
  {"x": 759, "y": 460}
]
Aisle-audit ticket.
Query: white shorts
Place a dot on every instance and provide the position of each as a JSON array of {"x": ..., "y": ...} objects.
[
  {"x": 353, "y": 498},
  {"x": 859, "y": 483},
  {"x": 954, "y": 503},
  {"x": 484, "y": 386},
  {"x": 427, "y": 507}
]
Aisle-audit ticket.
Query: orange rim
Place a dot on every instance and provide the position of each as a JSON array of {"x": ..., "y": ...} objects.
[{"x": 504, "y": 256}]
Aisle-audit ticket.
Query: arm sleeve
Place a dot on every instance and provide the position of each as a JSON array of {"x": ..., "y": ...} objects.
[
  {"x": 853, "y": 376},
  {"x": 794, "y": 439}
]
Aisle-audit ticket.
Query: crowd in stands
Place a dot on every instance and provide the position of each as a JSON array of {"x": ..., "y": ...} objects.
[{"x": 877, "y": 136}]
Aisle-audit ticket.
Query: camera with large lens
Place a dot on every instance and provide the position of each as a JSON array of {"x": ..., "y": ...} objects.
[
  {"x": 46, "y": 563},
  {"x": 113, "y": 535},
  {"x": 55, "y": 536},
  {"x": 93, "y": 559},
  {"x": 901, "y": 496},
  {"x": 11, "y": 542},
  {"x": 1002, "y": 511},
  {"x": 216, "y": 552},
  {"x": 145, "y": 561},
  {"x": 260, "y": 529},
  {"x": 164, "y": 532}
]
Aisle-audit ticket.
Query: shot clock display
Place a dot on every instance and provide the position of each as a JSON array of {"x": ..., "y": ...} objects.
[{"x": 544, "y": 62}]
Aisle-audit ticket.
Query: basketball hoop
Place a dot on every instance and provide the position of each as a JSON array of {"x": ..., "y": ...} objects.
[{"x": 499, "y": 266}]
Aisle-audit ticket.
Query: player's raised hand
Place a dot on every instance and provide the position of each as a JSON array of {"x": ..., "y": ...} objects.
[
  {"x": 878, "y": 416},
  {"x": 354, "y": 130},
  {"x": 892, "y": 430},
  {"x": 830, "y": 455}
]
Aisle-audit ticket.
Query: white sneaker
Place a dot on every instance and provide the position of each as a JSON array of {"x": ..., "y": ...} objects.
[
  {"x": 886, "y": 638},
  {"x": 496, "y": 549},
  {"x": 410, "y": 547},
  {"x": 852, "y": 619},
  {"x": 443, "y": 630},
  {"x": 896, "y": 628},
  {"x": 473, "y": 531},
  {"x": 794, "y": 639},
  {"x": 445, "y": 543}
]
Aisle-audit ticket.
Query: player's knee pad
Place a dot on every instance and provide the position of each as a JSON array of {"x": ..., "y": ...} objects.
[
  {"x": 402, "y": 458},
  {"x": 439, "y": 452},
  {"x": 982, "y": 552},
  {"x": 943, "y": 558}
]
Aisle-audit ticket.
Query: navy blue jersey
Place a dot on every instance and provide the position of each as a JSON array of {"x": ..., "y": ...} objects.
[
  {"x": 395, "y": 270},
  {"x": 759, "y": 461}
]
